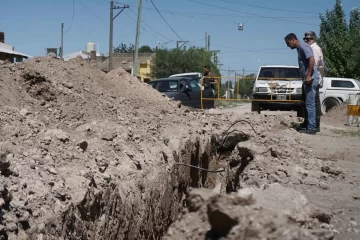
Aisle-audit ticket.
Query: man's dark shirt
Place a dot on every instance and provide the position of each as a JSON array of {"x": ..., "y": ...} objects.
[{"x": 208, "y": 76}]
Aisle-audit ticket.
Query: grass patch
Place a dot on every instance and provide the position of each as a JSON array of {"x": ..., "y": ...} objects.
[{"x": 355, "y": 133}]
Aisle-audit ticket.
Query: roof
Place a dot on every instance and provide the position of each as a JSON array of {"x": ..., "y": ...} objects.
[
  {"x": 8, "y": 51},
  {"x": 283, "y": 66},
  {"x": 185, "y": 74},
  {"x": 171, "y": 79},
  {"x": 82, "y": 54}
]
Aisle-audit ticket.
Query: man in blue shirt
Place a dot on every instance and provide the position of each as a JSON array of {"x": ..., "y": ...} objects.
[{"x": 310, "y": 77}]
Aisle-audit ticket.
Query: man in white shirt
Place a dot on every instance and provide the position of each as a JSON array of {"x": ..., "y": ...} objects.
[{"x": 310, "y": 38}]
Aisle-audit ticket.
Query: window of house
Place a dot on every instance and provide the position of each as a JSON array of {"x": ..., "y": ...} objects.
[{"x": 342, "y": 84}]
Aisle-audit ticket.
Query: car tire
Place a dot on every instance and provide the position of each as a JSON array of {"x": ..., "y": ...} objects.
[
  {"x": 255, "y": 107},
  {"x": 331, "y": 102}
]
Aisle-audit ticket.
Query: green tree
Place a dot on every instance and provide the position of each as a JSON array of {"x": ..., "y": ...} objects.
[
  {"x": 246, "y": 85},
  {"x": 123, "y": 48},
  {"x": 340, "y": 41},
  {"x": 173, "y": 61},
  {"x": 146, "y": 49}
]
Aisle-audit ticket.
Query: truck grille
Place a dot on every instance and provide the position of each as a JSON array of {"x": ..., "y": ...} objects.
[{"x": 282, "y": 90}]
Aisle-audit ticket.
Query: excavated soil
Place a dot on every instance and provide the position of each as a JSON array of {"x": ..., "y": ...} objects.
[
  {"x": 89, "y": 155},
  {"x": 337, "y": 116}
]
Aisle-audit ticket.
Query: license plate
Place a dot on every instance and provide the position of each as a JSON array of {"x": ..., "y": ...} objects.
[{"x": 281, "y": 97}]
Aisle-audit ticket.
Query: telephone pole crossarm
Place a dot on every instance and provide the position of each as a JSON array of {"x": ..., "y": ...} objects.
[{"x": 122, "y": 9}]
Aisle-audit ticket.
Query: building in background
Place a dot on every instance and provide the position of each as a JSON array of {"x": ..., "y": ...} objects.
[
  {"x": 125, "y": 61},
  {"x": 90, "y": 53},
  {"x": 7, "y": 51}
]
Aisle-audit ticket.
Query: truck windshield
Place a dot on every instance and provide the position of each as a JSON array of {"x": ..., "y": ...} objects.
[{"x": 279, "y": 72}]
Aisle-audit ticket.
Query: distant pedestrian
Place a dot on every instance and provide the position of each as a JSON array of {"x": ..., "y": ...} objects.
[
  {"x": 310, "y": 78},
  {"x": 211, "y": 77},
  {"x": 310, "y": 38}
]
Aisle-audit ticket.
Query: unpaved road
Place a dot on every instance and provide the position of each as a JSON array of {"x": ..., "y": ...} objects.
[{"x": 339, "y": 144}]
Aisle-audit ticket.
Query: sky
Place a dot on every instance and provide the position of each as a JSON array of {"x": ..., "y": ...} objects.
[{"x": 32, "y": 26}]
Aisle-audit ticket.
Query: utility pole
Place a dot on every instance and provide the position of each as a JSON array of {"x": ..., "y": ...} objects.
[
  {"x": 228, "y": 83},
  {"x": 135, "y": 60},
  {"x": 111, "y": 35},
  {"x": 243, "y": 77},
  {"x": 112, "y": 18},
  {"x": 215, "y": 52},
  {"x": 206, "y": 41},
  {"x": 62, "y": 42},
  {"x": 177, "y": 43}
]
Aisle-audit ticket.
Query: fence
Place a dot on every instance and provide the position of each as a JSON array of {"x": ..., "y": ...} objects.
[{"x": 283, "y": 93}]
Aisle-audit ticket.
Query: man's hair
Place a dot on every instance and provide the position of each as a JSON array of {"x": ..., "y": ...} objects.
[
  {"x": 310, "y": 34},
  {"x": 207, "y": 66},
  {"x": 291, "y": 36}
]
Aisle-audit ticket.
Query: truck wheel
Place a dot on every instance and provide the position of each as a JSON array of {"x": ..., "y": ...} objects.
[
  {"x": 331, "y": 102},
  {"x": 255, "y": 107}
]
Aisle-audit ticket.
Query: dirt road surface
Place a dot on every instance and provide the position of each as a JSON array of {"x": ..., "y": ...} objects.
[{"x": 340, "y": 144}]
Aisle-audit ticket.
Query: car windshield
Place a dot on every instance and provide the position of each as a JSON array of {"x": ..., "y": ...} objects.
[
  {"x": 165, "y": 86},
  {"x": 278, "y": 72}
]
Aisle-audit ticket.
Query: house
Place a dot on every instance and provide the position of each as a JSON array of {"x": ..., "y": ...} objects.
[
  {"x": 125, "y": 60},
  {"x": 7, "y": 51}
]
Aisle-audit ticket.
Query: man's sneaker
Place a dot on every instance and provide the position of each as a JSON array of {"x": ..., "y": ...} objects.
[{"x": 308, "y": 131}]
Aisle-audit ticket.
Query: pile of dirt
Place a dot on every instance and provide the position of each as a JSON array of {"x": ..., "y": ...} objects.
[
  {"x": 271, "y": 214},
  {"x": 337, "y": 116},
  {"x": 89, "y": 155},
  {"x": 72, "y": 137}
]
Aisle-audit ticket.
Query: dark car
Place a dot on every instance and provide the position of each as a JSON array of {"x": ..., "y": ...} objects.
[{"x": 185, "y": 89}]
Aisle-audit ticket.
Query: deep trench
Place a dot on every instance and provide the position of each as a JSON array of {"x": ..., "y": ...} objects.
[{"x": 147, "y": 214}]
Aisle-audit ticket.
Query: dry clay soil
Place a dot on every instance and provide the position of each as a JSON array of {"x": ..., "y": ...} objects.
[
  {"x": 89, "y": 155},
  {"x": 337, "y": 143}
]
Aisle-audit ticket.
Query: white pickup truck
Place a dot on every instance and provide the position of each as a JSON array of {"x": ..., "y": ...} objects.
[
  {"x": 273, "y": 90},
  {"x": 335, "y": 91}
]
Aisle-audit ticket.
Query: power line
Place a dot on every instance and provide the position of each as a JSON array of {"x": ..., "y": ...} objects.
[
  {"x": 268, "y": 8},
  {"x": 91, "y": 12},
  {"x": 72, "y": 18},
  {"x": 165, "y": 20},
  {"x": 223, "y": 15},
  {"x": 234, "y": 10},
  {"x": 153, "y": 35},
  {"x": 150, "y": 26},
  {"x": 250, "y": 50}
]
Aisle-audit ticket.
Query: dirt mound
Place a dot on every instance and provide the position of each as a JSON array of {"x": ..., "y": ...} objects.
[
  {"x": 89, "y": 155},
  {"x": 68, "y": 132},
  {"x": 249, "y": 214},
  {"x": 337, "y": 115}
]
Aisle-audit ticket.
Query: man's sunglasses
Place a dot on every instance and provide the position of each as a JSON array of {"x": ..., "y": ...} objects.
[{"x": 307, "y": 39}]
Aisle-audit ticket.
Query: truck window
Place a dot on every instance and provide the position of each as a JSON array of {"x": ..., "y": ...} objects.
[
  {"x": 194, "y": 85},
  {"x": 342, "y": 84},
  {"x": 279, "y": 72}
]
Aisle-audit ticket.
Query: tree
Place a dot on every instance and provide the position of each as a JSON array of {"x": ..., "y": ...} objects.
[
  {"x": 340, "y": 41},
  {"x": 246, "y": 85},
  {"x": 123, "y": 48},
  {"x": 146, "y": 49},
  {"x": 173, "y": 61}
]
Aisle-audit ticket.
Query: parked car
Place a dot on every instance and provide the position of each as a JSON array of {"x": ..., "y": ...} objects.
[
  {"x": 185, "y": 89},
  {"x": 335, "y": 91},
  {"x": 272, "y": 83}
]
